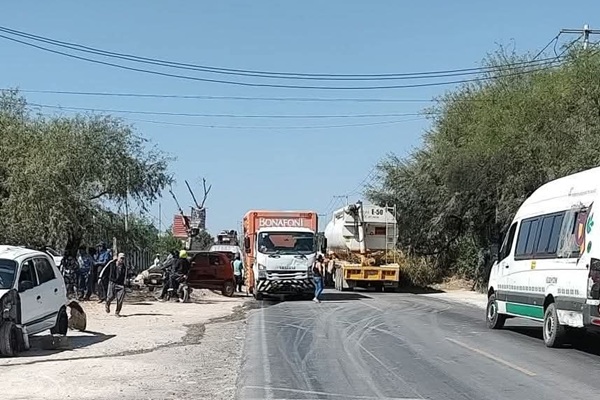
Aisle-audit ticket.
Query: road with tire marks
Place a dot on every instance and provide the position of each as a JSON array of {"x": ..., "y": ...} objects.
[{"x": 361, "y": 345}]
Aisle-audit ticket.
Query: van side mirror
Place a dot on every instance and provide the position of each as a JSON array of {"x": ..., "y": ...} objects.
[
  {"x": 25, "y": 285},
  {"x": 247, "y": 244}
]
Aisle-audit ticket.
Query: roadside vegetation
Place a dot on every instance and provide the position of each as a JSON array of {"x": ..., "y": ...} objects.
[
  {"x": 490, "y": 145},
  {"x": 64, "y": 180}
]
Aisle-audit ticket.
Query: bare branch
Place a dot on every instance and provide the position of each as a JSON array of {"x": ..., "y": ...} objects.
[{"x": 206, "y": 192}]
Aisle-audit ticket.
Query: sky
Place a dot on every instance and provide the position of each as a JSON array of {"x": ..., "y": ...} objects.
[{"x": 266, "y": 162}]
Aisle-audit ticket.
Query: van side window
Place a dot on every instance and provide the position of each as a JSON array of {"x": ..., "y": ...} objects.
[
  {"x": 524, "y": 230},
  {"x": 508, "y": 242},
  {"x": 549, "y": 234},
  {"x": 539, "y": 236}
]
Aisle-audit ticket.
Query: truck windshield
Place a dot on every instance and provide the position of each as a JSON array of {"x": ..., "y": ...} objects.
[
  {"x": 286, "y": 242},
  {"x": 8, "y": 269}
]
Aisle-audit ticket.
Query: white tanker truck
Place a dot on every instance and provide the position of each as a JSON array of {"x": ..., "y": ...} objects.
[{"x": 360, "y": 239}]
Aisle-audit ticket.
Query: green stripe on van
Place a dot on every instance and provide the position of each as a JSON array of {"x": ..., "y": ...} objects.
[{"x": 525, "y": 310}]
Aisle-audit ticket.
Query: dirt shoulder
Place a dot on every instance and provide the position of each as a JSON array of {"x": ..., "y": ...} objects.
[{"x": 155, "y": 351}]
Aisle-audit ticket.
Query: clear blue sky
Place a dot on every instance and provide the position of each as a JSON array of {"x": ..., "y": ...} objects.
[{"x": 271, "y": 168}]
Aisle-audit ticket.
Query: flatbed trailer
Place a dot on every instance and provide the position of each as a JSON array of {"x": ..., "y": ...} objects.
[{"x": 349, "y": 276}]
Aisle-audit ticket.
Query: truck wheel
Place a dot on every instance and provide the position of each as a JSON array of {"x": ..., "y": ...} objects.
[
  {"x": 9, "y": 340},
  {"x": 62, "y": 323},
  {"x": 228, "y": 289},
  {"x": 494, "y": 319},
  {"x": 554, "y": 332}
]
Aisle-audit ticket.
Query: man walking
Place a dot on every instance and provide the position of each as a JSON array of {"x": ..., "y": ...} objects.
[
  {"x": 238, "y": 272},
  {"x": 103, "y": 257},
  {"x": 117, "y": 275}
]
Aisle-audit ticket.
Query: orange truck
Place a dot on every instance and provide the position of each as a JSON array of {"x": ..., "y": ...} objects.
[{"x": 280, "y": 249}]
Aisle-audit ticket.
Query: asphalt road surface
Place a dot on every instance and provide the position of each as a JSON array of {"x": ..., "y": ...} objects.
[{"x": 360, "y": 345}]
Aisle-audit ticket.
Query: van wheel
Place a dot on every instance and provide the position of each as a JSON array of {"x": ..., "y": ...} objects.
[
  {"x": 554, "y": 332},
  {"x": 9, "y": 339},
  {"x": 494, "y": 319},
  {"x": 62, "y": 323},
  {"x": 228, "y": 289}
]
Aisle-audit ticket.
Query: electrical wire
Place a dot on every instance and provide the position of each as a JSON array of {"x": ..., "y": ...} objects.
[
  {"x": 240, "y": 98},
  {"x": 269, "y": 85},
  {"x": 178, "y": 114},
  {"x": 263, "y": 74}
]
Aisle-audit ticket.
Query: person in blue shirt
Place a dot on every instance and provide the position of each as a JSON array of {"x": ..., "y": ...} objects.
[
  {"x": 86, "y": 263},
  {"x": 238, "y": 272},
  {"x": 103, "y": 257}
]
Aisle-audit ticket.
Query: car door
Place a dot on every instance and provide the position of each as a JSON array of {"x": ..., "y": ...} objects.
[
  {"x": 215, "y": 261},
  {"x": 32, "y": 305},
  {"x": 51, "y": 288},
  {"x": 196, "y": 275}
]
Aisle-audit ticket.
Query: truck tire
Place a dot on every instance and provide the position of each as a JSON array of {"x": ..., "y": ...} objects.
[
  {"x": 9, "y": 339},
  {"x": 62, "y": 323},
  {"x": 554, "y": 333},
  {"x": 494, "y": 319}
]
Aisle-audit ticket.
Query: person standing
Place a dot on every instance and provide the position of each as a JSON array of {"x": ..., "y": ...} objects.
[
  {"x": 238, "y": 272},
  {"x": 86, "y": 263},
  {"x": 318, "y": 272},
  {"x": 103, "y": 257},
  {"x": 117, "y": 276}
]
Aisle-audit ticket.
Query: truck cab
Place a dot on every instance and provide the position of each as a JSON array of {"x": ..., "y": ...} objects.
[{"x": 280, "y": 252}]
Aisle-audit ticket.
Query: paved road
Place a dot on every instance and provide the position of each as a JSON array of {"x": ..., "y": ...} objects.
[{"x": 405, "y": 346}]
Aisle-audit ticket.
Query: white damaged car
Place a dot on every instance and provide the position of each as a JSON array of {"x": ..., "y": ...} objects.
[{"x": 33, "y": 299}]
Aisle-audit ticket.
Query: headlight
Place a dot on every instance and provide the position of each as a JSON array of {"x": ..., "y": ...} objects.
[{"x": 261, "y": 267}]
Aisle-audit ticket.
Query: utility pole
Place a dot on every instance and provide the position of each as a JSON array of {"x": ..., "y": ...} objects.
[
  {"x": 585, "y": 32},
  {"x": 159, "y": 219},
  {"x": 127, "y": 205}
]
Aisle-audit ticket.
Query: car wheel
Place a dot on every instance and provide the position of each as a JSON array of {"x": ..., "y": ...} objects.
[
  {"x": 9, "y": 339},
  {"x": 494, "y": 319},
  {"x": 554, "y": 332},
  {"x": 228, "y": 289},
  {"x": 62, "y": 323}
]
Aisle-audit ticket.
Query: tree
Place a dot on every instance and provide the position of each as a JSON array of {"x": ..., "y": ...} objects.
[
  {"x": 491, "y": 144},
  {"x": 61, "y": 174}
]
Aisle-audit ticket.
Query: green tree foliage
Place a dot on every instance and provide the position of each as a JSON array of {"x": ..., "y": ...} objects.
[
  {"x": 202, "y": 241},
  {"x": 491, "y": 144},
  {"x": 60, "y": 176}
]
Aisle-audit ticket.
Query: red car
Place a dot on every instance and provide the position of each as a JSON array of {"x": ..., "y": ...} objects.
[{"x": 212, "y": 270}]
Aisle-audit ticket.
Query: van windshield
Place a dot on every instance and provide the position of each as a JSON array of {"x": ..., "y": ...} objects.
[
  {"x": 8, "y": 269},
  {"x": 286, "y": 243}
]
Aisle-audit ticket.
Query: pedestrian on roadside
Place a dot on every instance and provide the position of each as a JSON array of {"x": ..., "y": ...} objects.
[
  {"x": 318, "y": 272},
  {"x": 238, "y": 272},
  {"x": 117, "y": 276},
  {"x": 103, "y": 257},
  {"x": 167, "y": 272},
  {"x": 86, "y": 263}
]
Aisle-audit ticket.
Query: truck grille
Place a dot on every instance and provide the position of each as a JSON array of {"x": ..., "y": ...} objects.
[{"x": 285, "y": 275}]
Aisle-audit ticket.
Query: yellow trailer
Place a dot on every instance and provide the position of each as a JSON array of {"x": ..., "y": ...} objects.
[{"x": 348, "y": 276}]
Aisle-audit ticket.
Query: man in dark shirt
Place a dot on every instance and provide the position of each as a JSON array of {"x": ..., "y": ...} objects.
[
  {"x": 180, "y": 269},
  {"x": 117, "y": 276}
]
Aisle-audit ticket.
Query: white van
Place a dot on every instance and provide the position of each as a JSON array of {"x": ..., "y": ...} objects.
[{"x": 548, "y": 267}]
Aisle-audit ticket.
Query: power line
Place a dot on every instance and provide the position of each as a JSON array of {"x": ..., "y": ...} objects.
[
  {"x": 257, "y": 73},
  {"x": 177, "y": 114},
  {"x": 269, "y": 85},
  {"x": 240, "y": 98},
  {"x": 247, "y": 127}
]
